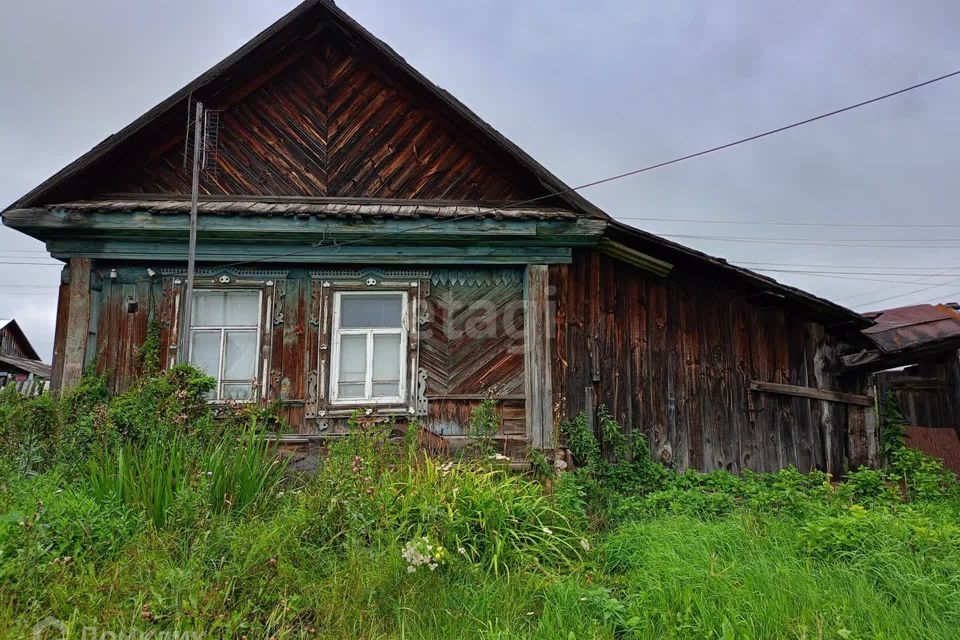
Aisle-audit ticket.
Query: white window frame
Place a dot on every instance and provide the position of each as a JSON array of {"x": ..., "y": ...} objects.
[
  {"x": 257, "y": 329},
  {"x": 338, "y": 332}
]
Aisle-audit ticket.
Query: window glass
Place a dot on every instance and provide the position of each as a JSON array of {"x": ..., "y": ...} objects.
[
  {"x": 386, "y": 357},
  {"x": 225, "y": 308},
  {"x": 353, "y": 366},
  {"x": 205, "y": 352},
  {"x": 240, "y": 360},
  {"x": 371, "y": 311},
  {"x": 242, "y": 308},
  {"x": 208, "y": 308},
  {"x": 224, "y": 345},
  {"x": 237, "y": 391}
]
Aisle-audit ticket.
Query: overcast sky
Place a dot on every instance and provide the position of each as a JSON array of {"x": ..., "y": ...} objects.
[{"x": 590, "y": 89}]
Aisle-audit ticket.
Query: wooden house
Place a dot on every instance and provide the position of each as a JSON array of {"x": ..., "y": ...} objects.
[
  {"x": 20, "y": 364},
  {"x": 367, "y": 242}
]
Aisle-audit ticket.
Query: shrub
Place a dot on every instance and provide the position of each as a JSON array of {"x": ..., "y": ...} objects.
[
  {"x": 490, "y": 517},
  {"x": 924, "y": 477}
]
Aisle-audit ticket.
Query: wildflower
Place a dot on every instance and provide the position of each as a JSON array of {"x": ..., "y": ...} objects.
[
  {"x": 433, "y": 566},
  {"x": 461, "y": 551},
  {"x": 560, "y": 465},
  {"x": 411, "y": 568},
  {"x": 548, "y": 531},
  {"x": 447, "y": 467},
  {"x": 584, "y": 544}
]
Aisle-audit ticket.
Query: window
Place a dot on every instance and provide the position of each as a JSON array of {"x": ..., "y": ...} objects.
[
  {"x": 369, "y": 348},
  {"x": 225, "y": 341}
]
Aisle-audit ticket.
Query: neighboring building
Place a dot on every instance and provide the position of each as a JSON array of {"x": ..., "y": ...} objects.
[
  {"x": 915, "y": 358},
  {"x": 19, "y": 362},
  {"x": 914, "y": 352},
  {"x": 367, "y": 242}
]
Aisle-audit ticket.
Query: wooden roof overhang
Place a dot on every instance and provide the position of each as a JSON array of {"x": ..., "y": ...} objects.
[{"x": 285, "y": 231}]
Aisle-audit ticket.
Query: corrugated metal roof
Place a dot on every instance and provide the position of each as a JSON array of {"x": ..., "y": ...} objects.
[{"x": 911, "y": 327}]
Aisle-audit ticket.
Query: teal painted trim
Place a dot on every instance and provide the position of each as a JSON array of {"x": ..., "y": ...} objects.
[
  {"x": 265, "y": 252},
  {"x": 54, "y": 225}
]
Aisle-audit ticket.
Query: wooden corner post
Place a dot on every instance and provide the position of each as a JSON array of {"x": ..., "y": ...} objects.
[
  {"x": 538, "y": 379},
  {"x": 78, "y": 323}
]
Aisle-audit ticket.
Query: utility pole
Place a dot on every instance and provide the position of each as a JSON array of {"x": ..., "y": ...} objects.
[{"x": 184, "y": 353}]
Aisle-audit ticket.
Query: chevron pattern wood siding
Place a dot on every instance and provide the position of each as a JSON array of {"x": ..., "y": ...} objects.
[
  {"x": 472, "y": 342},
  {"x": 329, "y": 122}
]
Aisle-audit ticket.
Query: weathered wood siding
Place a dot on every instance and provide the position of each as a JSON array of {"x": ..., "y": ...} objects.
[
  {"x": 928, "y": 393},
  {"x": 672, "y": 359},
  {"x": 326, "y": 119},
  {"x": 470, "y": 338}
]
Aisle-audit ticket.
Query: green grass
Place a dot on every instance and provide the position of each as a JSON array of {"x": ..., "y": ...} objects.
[{"x": 191, "y": 525}]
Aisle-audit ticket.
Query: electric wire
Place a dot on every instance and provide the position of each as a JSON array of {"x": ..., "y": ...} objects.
[{"x": 613, "y": 178}]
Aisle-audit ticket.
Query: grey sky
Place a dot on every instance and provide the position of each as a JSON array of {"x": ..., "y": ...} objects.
[{"x": 589, "y": 89}]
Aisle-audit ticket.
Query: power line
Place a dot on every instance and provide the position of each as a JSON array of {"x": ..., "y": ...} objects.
[
  {"x": 843, "y": 276},
  {"x": 943, "y": 272},
  {"x": 823, "y": 242},
  {"x": 756, "y": 136},
  {"x": 797, "y": 224},
  {"x": 908, "y": 293},
  {"x": 618, "y": 176},
  {"x": 34, "y": 264},
  {"x": 837, "y": 266}
]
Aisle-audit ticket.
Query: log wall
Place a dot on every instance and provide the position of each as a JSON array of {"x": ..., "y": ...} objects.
[{"x": 672, "y": 360}]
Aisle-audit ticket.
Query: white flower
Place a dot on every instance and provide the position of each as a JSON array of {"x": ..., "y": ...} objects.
[
  {"x": 433, "y": 566},
  {"x": 499, "y": 456},
  {"x": 584, "y": 544},
  {"x": 559, "y": 465},
  {"x": 411, "y": 568},
  {"x": 548, "y": 531},
  {"x": 461, "y": 551}
]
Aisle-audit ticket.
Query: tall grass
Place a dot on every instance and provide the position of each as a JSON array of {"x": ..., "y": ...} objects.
[
  {"x": 233, "y": 472},
  {"x": 147, "y": 478},
  {"x": 241, "y": 471}
]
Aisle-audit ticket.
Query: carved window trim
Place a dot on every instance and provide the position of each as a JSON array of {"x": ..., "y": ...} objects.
[{"x": 319, "y": 403}]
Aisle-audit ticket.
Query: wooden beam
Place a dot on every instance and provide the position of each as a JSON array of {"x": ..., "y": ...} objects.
[
  {"x": 78, "y": 322},
  {"x": 56, "y": 224},
  {"x": 810, "y": 392},
  {"x": 538, "y": 379},
  {"x": 303, "y": 253},
  {"x": 633, "y": 257}
]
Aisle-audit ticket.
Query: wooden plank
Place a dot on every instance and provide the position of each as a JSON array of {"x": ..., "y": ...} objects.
[
  {"x": 809, "y": 392},
  {"x": 538, "y": 380},
  {"x": 559, "y": 277},
  {"x": 77, "y": 322},
  {"x": 60, "y": 334},
  {"x": 658, "y": 394}
]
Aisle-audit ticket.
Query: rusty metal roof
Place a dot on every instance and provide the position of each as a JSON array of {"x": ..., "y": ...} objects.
[{"x": 913, "y": 327}]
